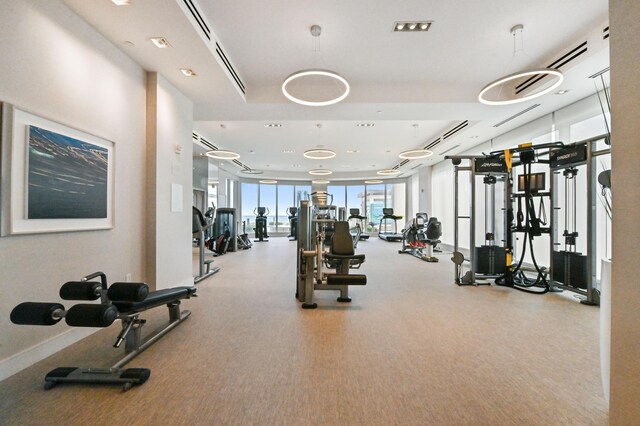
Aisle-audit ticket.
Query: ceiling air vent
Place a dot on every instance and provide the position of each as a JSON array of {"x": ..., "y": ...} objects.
[
  {"x": 605, "y": 33},
  {"x": 434, "y": 143},
  {"x": 198, "y": 18},
  {"x": 455, "y": 130},
  {"x": 568, "y": 57},
  {"x": 518, "y": 114},
  {"x": 416, "y": 166},
  {"x": 229, "y": 67}
]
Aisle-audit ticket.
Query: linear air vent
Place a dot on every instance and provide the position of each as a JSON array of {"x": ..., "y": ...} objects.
[
  {"x": 230, "y": 68},
  {"x": 403, "y": 163},
  {"x": 455, "y": 130},
  {"x": 605, "y": 33},
  {"x": 198, "y": 17},
  {"x": 599, "y": 73},
  {"x": 516, "y": 115},
  {"x": 450, "y": 149},
  {"x": 432, "y": 144},
  {"x": 557, "y": 64},
  {"x": 416, "y": 166}
]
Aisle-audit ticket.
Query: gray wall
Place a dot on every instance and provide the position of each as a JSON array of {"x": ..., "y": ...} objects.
[{"x": 625, "y": 291}]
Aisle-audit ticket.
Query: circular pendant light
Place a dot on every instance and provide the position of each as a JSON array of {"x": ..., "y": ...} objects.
[
  {"x": 319, "y": 154},
  {"x": 315, "y": 73},
  {"x": 389, "y": 172},
  {"x": 320, "y": 172},
  {"x": 320, "y": 181},
  {"x": 373, "y": 181},
  {"x": 510, "y": 94},
  {"x": 268, "y": 181},
  {"x": 415, "y": 154},
  {"x": 221, "y": 154}
]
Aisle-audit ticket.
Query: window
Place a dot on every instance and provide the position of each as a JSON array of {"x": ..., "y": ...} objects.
[
  {"x": 374, "y": 204},
  {"x": 249, "y": 203},
  {"x": 303, "y": 192},
  {"x": 339, "y": 196},
  {"x": 267, "y": 198},
  {"x": 396, "y": 199},
  {"x": 285, "y": 200}
]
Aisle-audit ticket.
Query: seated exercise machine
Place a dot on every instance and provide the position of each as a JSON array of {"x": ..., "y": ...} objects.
[
  {"x": 201, "y": 227},
  {"x": 312, "y": 256},
  {"x": 422, "y": 232},
  {"x": 124, "y": 301},
  {"x": 244, "y": 242},
  {"x": 387, "y": 214},
  {"x": 358, "y": 230},
  {"x": 261, "y": 223},
  {"x": 292, "y": 212}
]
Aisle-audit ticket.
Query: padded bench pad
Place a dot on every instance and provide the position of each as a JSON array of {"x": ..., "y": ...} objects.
[
  {"x": 350, "y": 279},
  {"x": 155, "y": 298}
]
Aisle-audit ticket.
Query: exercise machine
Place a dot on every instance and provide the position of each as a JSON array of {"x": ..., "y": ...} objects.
[
  {"x": 387, "y": 214},
  {"x": 312, "y": 256},
  {"x": 201, "y": 227},
  {"x": 358, "y": 229},
  {"x": 422, "y": 232},
  {"x": 224, "y": 230},
  {"x": 261, "y": 224},
  {"x": 122, "y": 300},
  {"x": 292, "y": 212},
  {"x": 244, "y": 242}
]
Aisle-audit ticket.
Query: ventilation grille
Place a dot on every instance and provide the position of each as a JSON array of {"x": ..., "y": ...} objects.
[
  {"x": 198, "y": 18},
  {"x": 432, "y": 144},
  {"x": 455, "y": 130},
  {"x": 557, "y": 64},
  {"x": 210, "y": 145},
  {"x": 229, "y": 67},
  {"x": 605, "y": 33},
  {"x": 524, "y": 111}
]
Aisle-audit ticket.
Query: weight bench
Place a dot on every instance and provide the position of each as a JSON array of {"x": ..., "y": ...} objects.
[{"x": 124, "y": 301}]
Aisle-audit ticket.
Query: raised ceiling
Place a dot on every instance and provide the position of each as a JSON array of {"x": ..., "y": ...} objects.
[{"x": 413, "y": 87}]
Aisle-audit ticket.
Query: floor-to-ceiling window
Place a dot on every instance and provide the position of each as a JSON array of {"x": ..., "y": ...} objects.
[
  {"x": 286, "y": 199},
  {"x": 374, "y": 203},
  {"x": 249, "y": 202},
  {"x": 267, "y": 197},
  {"x": 339, "y": 193}
]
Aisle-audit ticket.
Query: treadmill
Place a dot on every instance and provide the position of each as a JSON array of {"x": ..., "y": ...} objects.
[
  {"x": 387, "y": 214},
  {"x": 355, "y": 214}
]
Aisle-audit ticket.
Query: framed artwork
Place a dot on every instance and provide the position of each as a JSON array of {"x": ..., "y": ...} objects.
[{"x": 54, "y": 178}]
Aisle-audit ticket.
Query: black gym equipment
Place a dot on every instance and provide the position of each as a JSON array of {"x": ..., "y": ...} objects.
[
  {"x": 387, "y": 214},
  {"x": 422, "y": 232},
  {"x": 261, "y": 224},
  {"x": 312, "y": 256},
  {"x": 292, "y": 212},
  {"x": 124, "y": 301},
  {"x": 244, "y": 242},
  {"x": 224, "y": 230},
  {"x": 201, "y": 227},
  {"x": 358, "y": 230}
]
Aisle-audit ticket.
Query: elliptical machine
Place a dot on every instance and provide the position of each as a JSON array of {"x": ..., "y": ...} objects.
[
  {"x": 261, "y": 224},
  {"x": 293, "y": 223}
]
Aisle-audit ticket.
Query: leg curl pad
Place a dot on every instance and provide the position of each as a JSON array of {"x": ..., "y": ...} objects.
[
  {"x": 89, "y": 315},
  {"x": 37, "y": 313}
]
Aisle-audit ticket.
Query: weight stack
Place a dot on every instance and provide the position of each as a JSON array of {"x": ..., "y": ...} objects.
[
  {"x": 490, "y": 260},
  {"x": 570, "y": 269}
]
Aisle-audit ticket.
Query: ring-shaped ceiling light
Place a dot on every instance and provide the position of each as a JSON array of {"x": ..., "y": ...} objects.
[
  {"x": 251, "y": 172},
  {"x": 221, "y": 154},
  {"x": 323, "y": 73},
  {"x": 389, "y": 172},
  {"x": 320, "y": 172},
  {"x": 414, "y": 154},
  {"x": 320, "y": 181},
  {"x": 373, "y": 181},
  {"x": 319, "y": 154},
  {"x": 268, "y": 181},
  {"x": 515, "y": 76}
]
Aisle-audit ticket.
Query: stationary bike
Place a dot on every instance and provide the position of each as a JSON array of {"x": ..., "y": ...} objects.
[{"x": 261, "y": 223}]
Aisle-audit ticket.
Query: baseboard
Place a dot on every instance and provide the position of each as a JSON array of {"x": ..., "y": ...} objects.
[{"x": 27, "y": 357}]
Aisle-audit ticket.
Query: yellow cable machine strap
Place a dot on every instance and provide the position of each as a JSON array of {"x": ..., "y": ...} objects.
[{"x": 508, "y": 157}]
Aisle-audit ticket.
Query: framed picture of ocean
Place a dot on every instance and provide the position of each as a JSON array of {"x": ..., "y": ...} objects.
[{"x": 55, "y": 178}]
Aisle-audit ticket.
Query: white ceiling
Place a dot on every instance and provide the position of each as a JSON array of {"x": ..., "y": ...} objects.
[{"x": 398, "y": 80}]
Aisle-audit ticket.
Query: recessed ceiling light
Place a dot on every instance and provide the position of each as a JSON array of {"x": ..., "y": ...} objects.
[
  {"x": 222, "y": 154},
  {"x": 288, "y": 151},
  {"x": 268, "y": 181},
  {"x": 320, "y": 172},
  {"x": 413, "y": 26},
  {"x": 373, "y": 181},
  {"x": 365, "y": 124},
  {"x": 561, "y": 92},
  {"x": 320, "y": 181},
  {"x": 188, "y": 72},
  {"x": 121, "y": 2},
  {"x": 389, "y": 172},
  {"x": 273, "y": 125},
  {"x": 160, "y": 42},
  {"x": 414, "y": 154},
  {"x": 295, "y": 165}
]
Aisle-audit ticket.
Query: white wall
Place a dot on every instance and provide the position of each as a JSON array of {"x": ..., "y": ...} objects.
[
  {"x": 625, "y": 290},
  {"x": 169, "y": 124},
  {"x": 56, "y": 66}
]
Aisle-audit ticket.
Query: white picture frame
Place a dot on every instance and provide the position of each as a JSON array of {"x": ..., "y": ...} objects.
[{"x": 54, "y": 178}]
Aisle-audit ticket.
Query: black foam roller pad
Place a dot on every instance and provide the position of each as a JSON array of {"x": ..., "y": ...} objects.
[
  {"x": 89, "y": 315},
  {"x": 35, "y": 313},
  {"x": 80, "y": 290},
  {"x": 350, "y": 279},
  {"x": 128, "y": 292}
]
